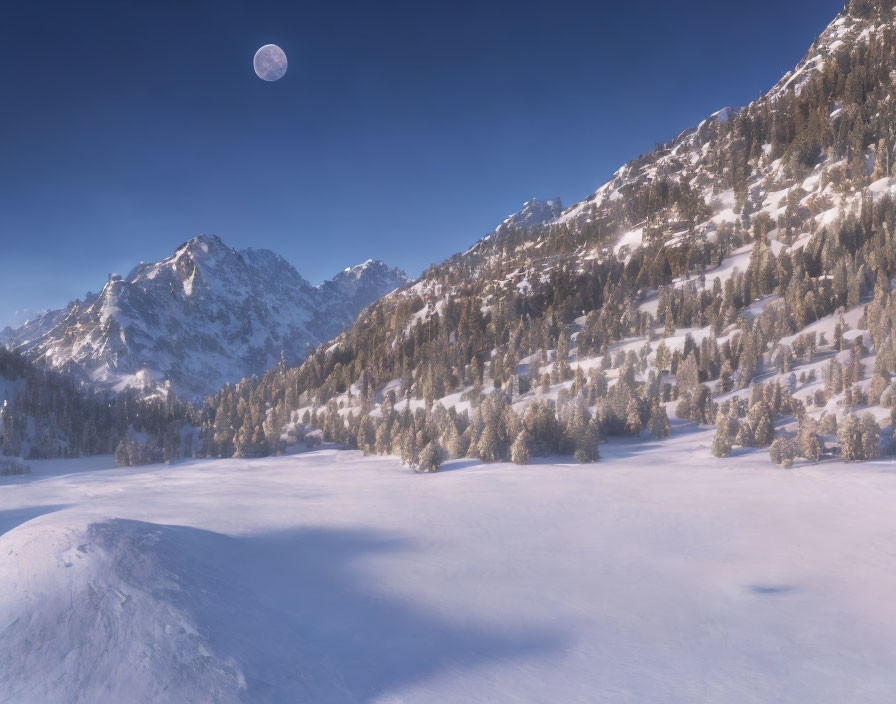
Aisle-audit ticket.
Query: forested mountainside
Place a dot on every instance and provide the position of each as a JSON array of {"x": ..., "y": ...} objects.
[
  {"x": 203, "y": 317},
  {"x": 741, "y": 274},
  {"x": 46, "y": 413}
]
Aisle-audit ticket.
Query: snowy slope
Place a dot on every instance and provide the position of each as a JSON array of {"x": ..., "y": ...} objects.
[
  {"x": 660, "y": 576},
  {"x": 352, "y": 290},
  {"x": 841, "y": 33},
  {"x": 533, "y": 213},
  {"x": 691, "y": 162},
  {"x": 793, "y": 206},
  {"x": 205, "y": 316},
  {"x": 687, "y": 158}
]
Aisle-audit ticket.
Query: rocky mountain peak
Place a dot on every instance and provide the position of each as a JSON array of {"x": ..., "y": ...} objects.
[
  {"x": 202, "y": 317},
  {"x": 533, "y": 213}
]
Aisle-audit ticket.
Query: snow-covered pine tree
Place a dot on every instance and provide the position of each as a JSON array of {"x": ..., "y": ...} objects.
[
  {"x": 520, "y": 451},
  {"x": 431, "y": 457}
]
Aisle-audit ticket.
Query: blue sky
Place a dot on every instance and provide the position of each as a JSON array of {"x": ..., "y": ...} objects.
[{"x": 402, "y": 131}]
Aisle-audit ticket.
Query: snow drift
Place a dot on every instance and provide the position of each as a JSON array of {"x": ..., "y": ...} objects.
[{"x": 106, "y": 611}]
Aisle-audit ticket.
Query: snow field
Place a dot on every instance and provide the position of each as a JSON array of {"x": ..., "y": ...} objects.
[{"x": 660, "y": 574}]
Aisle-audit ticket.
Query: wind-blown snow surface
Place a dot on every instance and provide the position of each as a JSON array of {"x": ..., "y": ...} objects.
[{"x": 660, "y": 575}]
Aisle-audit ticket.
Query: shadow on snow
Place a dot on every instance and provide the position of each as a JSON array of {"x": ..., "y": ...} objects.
[
  {"x": 15, "y": 517},
  {"x": 304, "y": 621}
]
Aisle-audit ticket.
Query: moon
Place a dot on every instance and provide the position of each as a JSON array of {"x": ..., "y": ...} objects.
[{"x": 270, "y": 62}]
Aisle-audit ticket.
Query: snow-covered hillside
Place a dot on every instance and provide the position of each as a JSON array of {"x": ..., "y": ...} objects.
[
  {"x": 717, "y": 185},
  {"x": 742, "y": 271},
  {"x": 205, "y": 316},
  {"x": 533, "y": 213},
  {"x": 659, "y": 576}
]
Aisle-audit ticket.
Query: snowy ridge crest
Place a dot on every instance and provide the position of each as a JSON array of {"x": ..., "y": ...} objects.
[{"x": 205, "y": 316}]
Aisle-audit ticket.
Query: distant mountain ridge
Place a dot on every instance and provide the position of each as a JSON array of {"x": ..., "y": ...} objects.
[{"x": 205, "y": 316}]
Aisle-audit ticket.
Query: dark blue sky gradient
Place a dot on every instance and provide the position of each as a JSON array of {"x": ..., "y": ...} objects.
[{"x": 402, "y": 130}]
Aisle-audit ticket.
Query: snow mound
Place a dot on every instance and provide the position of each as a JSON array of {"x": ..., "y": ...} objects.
[
  {"x": 115, "y": 610},
  {"x": 104, "y": 611}
]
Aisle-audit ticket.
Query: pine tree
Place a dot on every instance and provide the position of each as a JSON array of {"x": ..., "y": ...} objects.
[
  {"x": 382, "y": 443},
  {"x": 431, "y": 457},
  {"x": 633, "y": 418},
  {"x": 721, "y": 442},
  {"x": 410, "y": 453},
  {"x": 122, "y": 453},
  {"x": 659, "y": 421},
  {"x": 688, "y": 374},
  {"x": 586, "y": 440},
  {"x": 760, "y": 421},
  {"x": 171, "y": 446},
  {"x": 783, "y": 451},
  {"x": 870, "y": 431},
  {"x": 520, "y": 450},
  {"x": 850, "y": 437},
  {"x": 726, "y": 383},
  {"x": 810, "y": 445},
  {"x": 454, "y": 446},
  {"x": 487, "y": 448}
]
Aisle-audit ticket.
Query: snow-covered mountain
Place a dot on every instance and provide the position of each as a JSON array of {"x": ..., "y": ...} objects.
[
  {"x": 352, "y": 290},
  {"x": 752, "y": 252},
  {"x": 205, "y": 316},
  {"x": 768, "y": 159},
  {"x": 740, "y": 273},
  {"x": 533, "y": 213}
]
